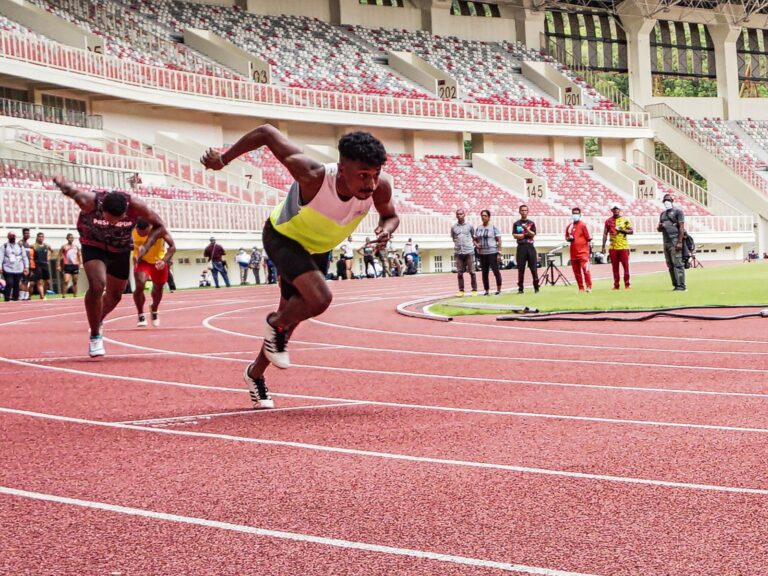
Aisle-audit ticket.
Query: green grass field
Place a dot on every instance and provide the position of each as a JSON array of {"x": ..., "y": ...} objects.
[{"x": 730, "y": 284}]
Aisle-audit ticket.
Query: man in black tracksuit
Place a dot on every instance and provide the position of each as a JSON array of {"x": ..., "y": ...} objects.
[{"x": 524, "y": 231}]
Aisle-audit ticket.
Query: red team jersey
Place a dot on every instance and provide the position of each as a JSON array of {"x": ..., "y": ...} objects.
[{"x": 581, "y": 239}]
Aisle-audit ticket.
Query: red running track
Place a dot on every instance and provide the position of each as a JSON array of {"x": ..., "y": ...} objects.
[{"x": 398, "y": 446}]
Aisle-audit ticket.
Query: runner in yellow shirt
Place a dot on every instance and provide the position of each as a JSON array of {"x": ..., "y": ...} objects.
[{"x": 153, "y": 265}]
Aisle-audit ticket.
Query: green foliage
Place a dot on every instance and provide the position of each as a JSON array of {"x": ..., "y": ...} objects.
[
  {"x": 664, "y": 155},
  {"x": 591, "y": 147},
  {"x": 685, "y": 87}
]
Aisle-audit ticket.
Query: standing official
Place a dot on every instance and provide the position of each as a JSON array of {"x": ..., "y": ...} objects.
[
  {"x": 672, "y": 228},
  {"x": 463, "y": 235},
  {"x": 524, "y": 231},
  {"x": 578, "y": 235},
  {"x": 618, "y": 227}
]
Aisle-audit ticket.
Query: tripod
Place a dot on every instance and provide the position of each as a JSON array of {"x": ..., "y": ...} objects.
[{"x": 553, "y": 275}]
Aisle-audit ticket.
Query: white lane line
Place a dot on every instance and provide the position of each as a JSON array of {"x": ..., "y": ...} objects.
[
  {"x": 199, "y": 417},
  {"x": 295, "y": 536},
  {"x": 400, "y": 457},
  {"x": 534, "y": 343},
  {"x": 612, "y": 363}
]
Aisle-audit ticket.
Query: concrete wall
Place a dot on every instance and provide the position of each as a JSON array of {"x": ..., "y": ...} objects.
[
  {"x": 319, "y": 9},
  {"x": 352, "y": 12},
  {"x": 695, "y": 107},
  {"x": 471, "y": 27}
]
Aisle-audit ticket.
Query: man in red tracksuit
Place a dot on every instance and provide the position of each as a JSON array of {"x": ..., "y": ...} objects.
[{"x": 578, "y": 235}]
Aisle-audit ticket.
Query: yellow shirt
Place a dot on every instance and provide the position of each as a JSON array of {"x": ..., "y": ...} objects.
[
  {"x": 618, "y": 241},
  {"x": 154, "y": 254}
]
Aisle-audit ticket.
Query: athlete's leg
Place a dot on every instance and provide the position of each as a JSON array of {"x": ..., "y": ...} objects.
[
  {"x": 348, "y": 263},
  {"x": 157, "y": 295},
  {"x": 312, "y": 298},
  {"x": 74, "y": 285},
  {"x": 140, "y": 278},
  {"x": 96, "y": 272},
  {"x": 113, "y": 293}
]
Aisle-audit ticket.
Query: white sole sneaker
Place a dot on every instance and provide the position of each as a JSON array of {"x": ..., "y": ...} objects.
[
  {"x": 96, "y": 347},
  {"x": 156, "y": 321},
  {"x": 260, "y": 399},
  {"x": 275, "y": 344},
  {"x": 142, "y": 321}
]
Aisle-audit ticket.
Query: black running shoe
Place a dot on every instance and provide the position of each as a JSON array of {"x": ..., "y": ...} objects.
[{"x": 258, "y": 390}]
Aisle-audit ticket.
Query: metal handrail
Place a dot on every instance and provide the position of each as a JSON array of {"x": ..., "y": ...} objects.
[{"x": 52, "y": 114}]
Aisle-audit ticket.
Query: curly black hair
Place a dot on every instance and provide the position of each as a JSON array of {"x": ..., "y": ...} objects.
[
  {"x": 141, "y": 224},
  {"x": 362, "y": 147},
  {"x": 115, "y": 203}
]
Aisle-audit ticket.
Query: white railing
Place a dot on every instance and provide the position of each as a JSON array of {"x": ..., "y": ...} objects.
[
  {"x": 46, "y": 208},
  {"x": 743, "y": 169},
  {"x": 114, "y": 161},
  {"x": 52, "y": 55}
]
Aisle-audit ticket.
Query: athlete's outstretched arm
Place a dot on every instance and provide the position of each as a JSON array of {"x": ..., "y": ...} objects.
[
  {"x": 169, "y": 252},
  {"x": 85, "y": 200},
  {"x": 307, "y": 172},
  {"x": 388, "y": 218}
]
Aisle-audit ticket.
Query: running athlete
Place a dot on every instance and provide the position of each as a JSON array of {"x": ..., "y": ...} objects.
[
  {"x": 105, "y": 223},
  {"x": 154, "y": 265},
  {"x": 324, "y": 205},
  {"x": 69, "y": 265}
]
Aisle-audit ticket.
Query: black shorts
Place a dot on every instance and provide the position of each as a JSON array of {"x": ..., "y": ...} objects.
[
  {"x": 291, "y": 259},
  {"x": 72, "y": 269},
  {"x": 118, "y": 263},
  {"x": 41, "y": 272}
]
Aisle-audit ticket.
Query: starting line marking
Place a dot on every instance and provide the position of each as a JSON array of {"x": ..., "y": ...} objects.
[
  {"x": 399, "y": 457},
  {"x": 296, "y": 536}
]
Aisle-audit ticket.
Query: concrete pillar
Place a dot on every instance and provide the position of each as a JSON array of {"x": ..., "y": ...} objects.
[
  {"x": 482, "y": 143},
  {"x": 556, "y": 148},
  {"x": 638, "y": 29},
  {"x": 529, "y": 27},
  {"x": 725, "y": 36}
]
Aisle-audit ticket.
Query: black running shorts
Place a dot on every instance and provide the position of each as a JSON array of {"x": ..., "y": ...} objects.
[
  {"x": 118, "y": 263},
  {"x": 291, "y": 259}
]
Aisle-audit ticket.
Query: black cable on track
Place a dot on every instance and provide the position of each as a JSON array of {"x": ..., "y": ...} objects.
[{"x": 598, "y": 315}]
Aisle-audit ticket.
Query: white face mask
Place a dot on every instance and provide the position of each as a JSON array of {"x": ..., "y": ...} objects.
[
  {"x": 668, "y": 204},
  {"x": 576, "y": 217}
]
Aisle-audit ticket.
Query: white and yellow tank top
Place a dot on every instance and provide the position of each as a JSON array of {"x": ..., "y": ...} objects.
[
  {"x": 154, "y": 254},
  {"x": 321, "y": 224}
]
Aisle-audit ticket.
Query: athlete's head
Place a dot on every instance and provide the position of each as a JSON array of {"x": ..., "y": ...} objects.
[
  {"x": 70, "y": 238},
  {"x": 361, "y": 156},
  {"x": 460, "y": 215},
  {"x": 142, "y": 227},
  {"x": 115, "y": 205},
  {"x": 25, "y": 234},
  {"x": 40, "y": 238}
]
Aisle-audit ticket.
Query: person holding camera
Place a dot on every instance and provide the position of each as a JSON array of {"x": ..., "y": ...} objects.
[
  {"x": 524, "y": 231},
  {"x": 577, "y": 234},
  {"x": 488, "y": 242},
  {"x": 672, "y": 228},
  {"x": 618, "y": 227}
]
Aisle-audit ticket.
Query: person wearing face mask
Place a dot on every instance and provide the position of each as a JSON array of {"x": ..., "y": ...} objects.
[
  {"x": 15, "y": 264},
  {"x": 578, "y": 235},
  {"x": 672, "y": 228},
  {"x": 618, "y": 227}
]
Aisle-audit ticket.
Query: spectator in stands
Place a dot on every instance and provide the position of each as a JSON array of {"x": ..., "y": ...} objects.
[
  {"x": 152, "y": 265},
  {"x": 366, "y": 251},
  {"x": 524, "y": 231},
  {"x": 42, "y": 255},
  {"x": 488, "y": 242},
  {"x": 243, "y": 260},
  {"x": 672, "y": 228},
  {"x": 15, "y": 264},
  {"x": 69, "y": 265},
  {"x": 205, "y": 278},
  {"x": 254, "y": 264},
  {"x": 348, "y": 255},
  {"x": 463, "y": 235},
  {"x": 215, "y": 254},
  {"x": 618, "y": 227},
  {"x": 324, "y": 206},
  {"x": 105, "y": 224},
  {"x": 27, "y": 283},
  {"x": 578, "y": 235}
]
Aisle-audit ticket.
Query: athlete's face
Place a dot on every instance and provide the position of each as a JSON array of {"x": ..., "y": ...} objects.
[
  {"x": 358, "y": 179},
  {"x": 144, "y": 232},
  {"x": 70, "y": 238}
]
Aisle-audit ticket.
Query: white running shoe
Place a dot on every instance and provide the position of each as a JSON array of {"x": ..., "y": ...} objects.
[
  {"x": 258, "y": 390},
  {"x": 96, "y": 347},
  {"x": 142, "y": 320},
  {"x": 155, "y": 319},
  {"x": 276, "y": 346}
]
